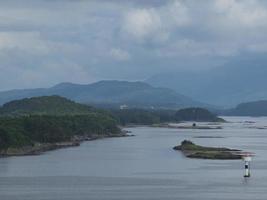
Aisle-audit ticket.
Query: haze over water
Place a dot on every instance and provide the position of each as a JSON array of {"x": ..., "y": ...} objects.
[{"x": 142, "y": 167}]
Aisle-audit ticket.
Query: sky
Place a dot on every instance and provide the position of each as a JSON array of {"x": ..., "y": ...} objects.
[{"x": 45, "y": 42}]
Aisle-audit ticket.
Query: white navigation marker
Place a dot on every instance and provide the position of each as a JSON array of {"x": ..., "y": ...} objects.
[{"x": 247, "y": 158}]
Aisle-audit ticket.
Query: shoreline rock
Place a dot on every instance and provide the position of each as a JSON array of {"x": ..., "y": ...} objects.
[
  {"x": 37, "y": 149},
  {"x": 40, "y": 148}
]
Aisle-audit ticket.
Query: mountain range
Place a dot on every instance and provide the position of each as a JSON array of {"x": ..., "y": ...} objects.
[
  {"x": 112, "y": 93},
  {"x": 242, "y": 79}
]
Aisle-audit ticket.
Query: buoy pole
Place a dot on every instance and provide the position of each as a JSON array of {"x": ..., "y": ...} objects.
[
  {"x": 247, "y": 170},
  {"x": 247, "y": 160}
]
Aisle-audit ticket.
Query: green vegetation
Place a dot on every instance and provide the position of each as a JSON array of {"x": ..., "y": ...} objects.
[
  {"x": 196, "y": 114},
  {"x": 50, "y": 120},
  {"x": 143, "y": 117},
  {"x": 54, "y": 119},
  {"x": 26, "y": 130},
  {"x": 149, "y": 117},
  {"x": 192, "y": 150},
  {"x": 46, "y": 105}
]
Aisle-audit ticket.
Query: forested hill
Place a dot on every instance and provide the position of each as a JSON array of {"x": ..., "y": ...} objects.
[
  {"x": 43, "y": 120},
  {"x": 46, "y": 105}
]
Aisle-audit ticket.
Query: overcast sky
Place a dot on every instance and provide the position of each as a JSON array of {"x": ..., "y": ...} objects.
[{"x": 44, "y": 42}]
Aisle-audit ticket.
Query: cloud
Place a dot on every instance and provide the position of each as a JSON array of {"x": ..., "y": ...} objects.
[
  {"x": 141, "y": 23},
  {"x": 84, "y": 41},
  {"x": 246, "y": 12},
  {"x": 155, "y": 23},
  {"x": 119, "y": 54},
  {"x": 29, "y": 42}
]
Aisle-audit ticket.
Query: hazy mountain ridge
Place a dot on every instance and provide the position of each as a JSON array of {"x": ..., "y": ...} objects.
[
  {"x": 237, "y": 81},
  {"x": 136, "y": 94},
  {"x": 255, "y": 108}
]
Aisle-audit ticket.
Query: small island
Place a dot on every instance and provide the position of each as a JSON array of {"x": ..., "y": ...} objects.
[{"x": 192, "y": 150}]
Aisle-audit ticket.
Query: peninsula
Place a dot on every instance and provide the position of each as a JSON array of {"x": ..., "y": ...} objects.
[{"x": 34, "y": 125}]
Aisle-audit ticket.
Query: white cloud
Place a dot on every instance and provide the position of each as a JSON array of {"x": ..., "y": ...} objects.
[
  {"x": 176, "y": 13},
  {"x": 141, "y": 23},
  {"x": 29, "y": 42},
  {"x": 155, "y": 23},
  {"x": 242, "y": 13},
  {"x": 119, "y": 54}
]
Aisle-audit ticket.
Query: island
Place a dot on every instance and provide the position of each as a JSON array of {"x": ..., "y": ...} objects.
[{"x": 192, "y": 150}]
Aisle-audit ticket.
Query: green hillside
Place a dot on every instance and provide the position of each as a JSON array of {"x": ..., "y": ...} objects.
[
  {"x": 50, "y": 120},
  {"x": 46, "y": 105}
]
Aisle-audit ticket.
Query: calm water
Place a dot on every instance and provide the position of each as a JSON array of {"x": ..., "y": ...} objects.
[{"x": 142, "y": 167}]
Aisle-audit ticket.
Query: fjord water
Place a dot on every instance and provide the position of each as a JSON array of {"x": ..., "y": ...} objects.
[{"x": 143, "y": 167}]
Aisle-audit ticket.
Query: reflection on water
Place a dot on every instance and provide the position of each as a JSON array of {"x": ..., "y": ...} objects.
[{"x": 143, "y": 167}]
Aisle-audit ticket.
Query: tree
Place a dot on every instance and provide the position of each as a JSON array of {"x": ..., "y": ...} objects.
[{"x": 5, "y": 139}]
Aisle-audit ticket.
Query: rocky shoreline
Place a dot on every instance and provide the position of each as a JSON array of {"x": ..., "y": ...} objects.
[
  {"x": 39, "y": 148},
  {"x": 167, "y": 125}
]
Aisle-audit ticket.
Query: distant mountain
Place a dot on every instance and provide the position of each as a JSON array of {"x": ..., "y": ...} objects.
[
  {"x": 242, "y": 79},
  {"x": 116, "y": 93},
  {"x": 45, "y": 105},
  {"x": 256, "y": 108}
]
